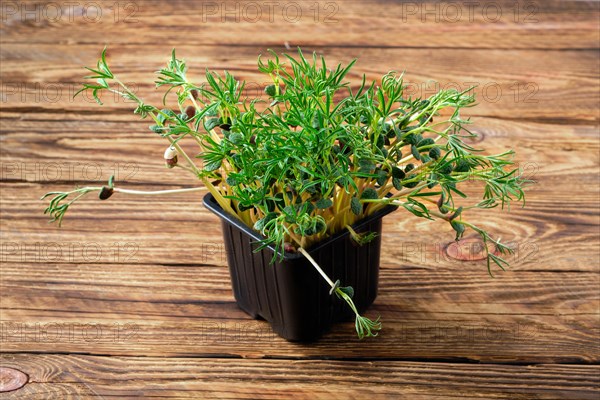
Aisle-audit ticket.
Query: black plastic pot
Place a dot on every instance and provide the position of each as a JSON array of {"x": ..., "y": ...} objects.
[{"x": 290, "y": 294}]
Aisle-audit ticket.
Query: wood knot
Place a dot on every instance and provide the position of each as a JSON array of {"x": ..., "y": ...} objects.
[
  {"x": 467, "y": 250},
  {"x": 476, "y": 139},
  {"x": 12, "y": 379}
]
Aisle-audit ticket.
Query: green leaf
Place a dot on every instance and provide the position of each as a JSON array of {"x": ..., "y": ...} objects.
[
  {"x": 348, "y": 290},
  {"x": 458, "y": 192},
  {"x": 261, "y": 223},
  {"x": 213, "y": 165},
  {"x": 417, "y": 209},
  {"x": 356, "y": 206},
  {"x": 366, "y": 166},
  {"x": 441, "y": 204},
  {"x": 382, "y": 177},
  {"x": 462, "y": 166},
  {"x": 459, "y": 228},
  {"x": 211, "y": 124},
  {"x": 234, "y": 179},
  {"x": 363, "y": 238},
  {"x": 426, "y": 142},
  {"x": 271, "y": 90},
  {"x": 323, "y": 203},
  {"x": 307, "y": 207},
  {"x": 236, "y": 138},
  {"x": 369, "y": 194},
  {"x": 415, "y": 152},
  {"x": 456, "y": 213},
  {"x": 413, "y": 138},
  {"x": 435, "y": 153},
  {"x": 398, "y": 173}
]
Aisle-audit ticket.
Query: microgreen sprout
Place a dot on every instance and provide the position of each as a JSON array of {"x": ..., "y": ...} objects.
[{"x": 319, "y": 154}]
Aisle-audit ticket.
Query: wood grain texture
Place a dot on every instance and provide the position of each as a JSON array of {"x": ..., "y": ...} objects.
[
  {"x": 542, "y": 85},
  {"x": 125, "y": 377},
  {"x": 189, "y": 310},
  {"x": 537, "y": 232},
  {"x": 132, "y": 298},
  {"x": 108, "y": 144},
  {"x": 505, "y": 24}
]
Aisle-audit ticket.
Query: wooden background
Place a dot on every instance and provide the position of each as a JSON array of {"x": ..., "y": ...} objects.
[{"x": 132, "y": 298}]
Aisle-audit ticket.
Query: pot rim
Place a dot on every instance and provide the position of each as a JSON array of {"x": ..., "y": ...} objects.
[{"x": 209, "y": 202}]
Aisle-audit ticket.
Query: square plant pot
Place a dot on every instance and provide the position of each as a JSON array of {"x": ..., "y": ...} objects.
[{"x": 290, "y": 294}]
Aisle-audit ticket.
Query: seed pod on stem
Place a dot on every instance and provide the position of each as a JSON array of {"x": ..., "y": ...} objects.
[
  {"x": 190, "y": 111},
  {"x": 170, "y": 157},
  {"x": 105, "y": 193}
]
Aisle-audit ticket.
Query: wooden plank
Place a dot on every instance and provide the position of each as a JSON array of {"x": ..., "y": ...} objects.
[
  {"x": 505, "y": 24},
  {"x": 127, "y": 377},
  {"x": 428, "y": 314},
  {"x": 514, "y": 85}
]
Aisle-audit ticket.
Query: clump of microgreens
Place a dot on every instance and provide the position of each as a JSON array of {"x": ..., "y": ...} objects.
[{"x": 319, "y": 156}]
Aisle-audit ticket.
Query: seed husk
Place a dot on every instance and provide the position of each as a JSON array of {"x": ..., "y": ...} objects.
[
  {"x": 289, "y": 248},
  {"x": 225, "y": 123},
  {"x": 105, "y": 192},
  {"x": 171, "y": 162},
  {"x": 190, "y": 111},
  {"x": 170, "y": 157}
]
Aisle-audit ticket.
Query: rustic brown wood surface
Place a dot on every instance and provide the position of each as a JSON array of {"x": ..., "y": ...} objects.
[{"x": 132, "y": 298}]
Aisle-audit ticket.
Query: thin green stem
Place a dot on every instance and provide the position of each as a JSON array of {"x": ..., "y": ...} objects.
[{"x": 158, "y": 192}]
